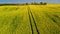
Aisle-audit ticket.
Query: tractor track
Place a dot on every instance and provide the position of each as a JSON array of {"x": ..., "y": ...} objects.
[
  {"x": 32, "y": 17},
  {"x": 30, "y": 22}
]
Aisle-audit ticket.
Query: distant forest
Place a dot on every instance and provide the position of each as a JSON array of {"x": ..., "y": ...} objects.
[{"x": 33, "y": 3}]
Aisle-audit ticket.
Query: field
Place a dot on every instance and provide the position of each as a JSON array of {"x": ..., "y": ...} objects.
[{"x": 30, "y": 19}]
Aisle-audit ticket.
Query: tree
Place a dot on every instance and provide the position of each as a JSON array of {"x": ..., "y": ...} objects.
[
  {"x": 41, "y": 3},
  {"x": 26, "y": 3},
  {"x": 45, "y": 3}
]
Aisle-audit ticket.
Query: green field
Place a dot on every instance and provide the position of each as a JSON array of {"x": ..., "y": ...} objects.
[{"x": 30, "y": 19}]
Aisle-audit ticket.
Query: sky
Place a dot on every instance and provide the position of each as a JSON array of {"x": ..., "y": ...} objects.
[{"x": 29, "y": 1}]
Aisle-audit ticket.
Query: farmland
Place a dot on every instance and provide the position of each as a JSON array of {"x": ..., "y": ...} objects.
[{"x": 30, "y": 19}]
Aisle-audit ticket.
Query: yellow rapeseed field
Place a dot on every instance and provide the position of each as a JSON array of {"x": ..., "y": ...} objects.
[{"x": 30, "y": 19}]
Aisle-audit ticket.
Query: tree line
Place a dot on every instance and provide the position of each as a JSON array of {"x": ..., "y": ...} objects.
[{"x": 33, "y": 3}]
